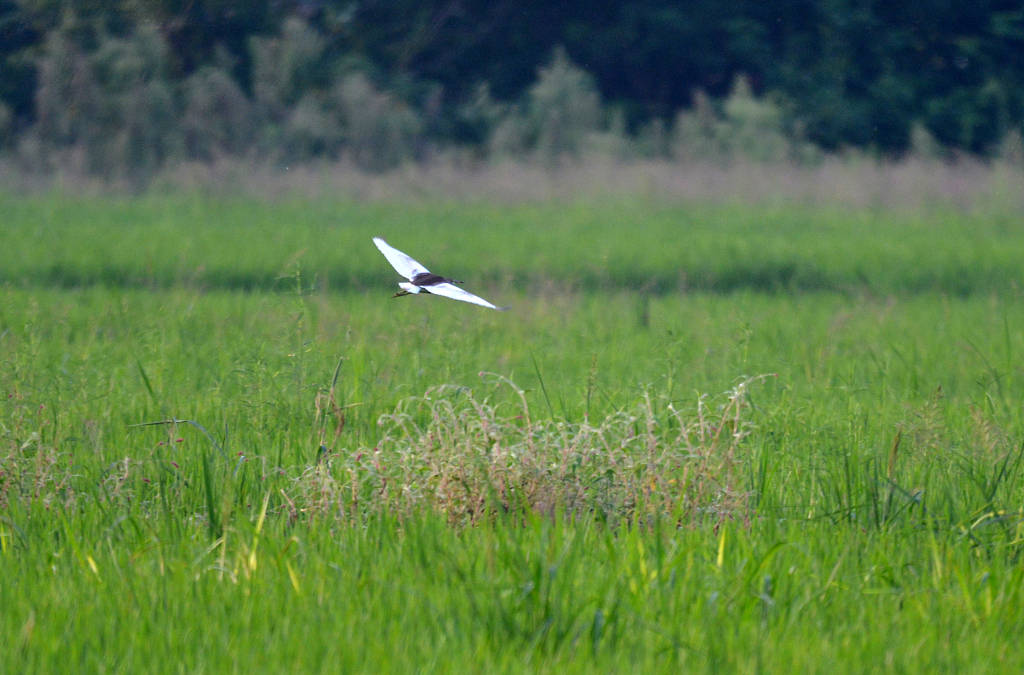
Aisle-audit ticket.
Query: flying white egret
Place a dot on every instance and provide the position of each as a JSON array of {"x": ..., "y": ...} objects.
[{"x": 422, "y": 280}]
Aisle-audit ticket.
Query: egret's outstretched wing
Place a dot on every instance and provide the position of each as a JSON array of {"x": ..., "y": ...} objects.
[
  {"x": 402, "y": 263},
  {"x": 455, "y": 293}
]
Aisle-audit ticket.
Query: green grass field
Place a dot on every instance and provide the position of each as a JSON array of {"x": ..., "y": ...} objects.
[{"x": 706, "y": 437}]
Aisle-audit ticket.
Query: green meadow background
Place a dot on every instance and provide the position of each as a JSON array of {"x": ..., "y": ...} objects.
[{"x": 708, "y": 435}]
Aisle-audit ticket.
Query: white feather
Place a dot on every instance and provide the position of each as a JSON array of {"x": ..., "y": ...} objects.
[
  {"x": 455, "y": 293},
  {"x": 402, "y": 263}
]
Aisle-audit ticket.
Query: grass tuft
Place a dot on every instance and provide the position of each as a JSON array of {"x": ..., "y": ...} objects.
[{"x": 455, "y": 452}]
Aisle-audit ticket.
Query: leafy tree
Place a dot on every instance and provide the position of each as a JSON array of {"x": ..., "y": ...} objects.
[{"x": 137, "y": 83}]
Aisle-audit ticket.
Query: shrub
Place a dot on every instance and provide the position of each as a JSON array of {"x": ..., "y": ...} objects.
[
  {"x": 379, "y": 131},
  {"x": 285, "y": 67},
  {"x": 510, "y": 137},
  {"x": 923, "y": 144},
  {"x": 310, "y": 131},
  {"x": 218, "y": 118},
  {"x": 114, "y": 107},
  {"x": 67, "y": 96},
  {"x": 563, "y": 108},
  {"x": 120, "y": 64},
  {"x": 560, "y": 118},
  {"x": 148, "y": 133},
  {"x": 454, "y": 452},
  {"x": 654, "y": 139},
  {"x": 695, "y": 132},
  {"x": 747, "y": 128},
  {"x": 1011, "y": 149},
  {"x": 752, "y": 127},
  {"x": 480, "y": 116}
]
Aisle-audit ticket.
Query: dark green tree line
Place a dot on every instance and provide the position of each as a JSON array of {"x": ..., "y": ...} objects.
[{"x": 139, "y": 82}]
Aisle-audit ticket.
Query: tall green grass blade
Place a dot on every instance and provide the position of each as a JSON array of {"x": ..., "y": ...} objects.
[
  {"x": 543, "y": 388},
  {"x": 213, "y": 522}
]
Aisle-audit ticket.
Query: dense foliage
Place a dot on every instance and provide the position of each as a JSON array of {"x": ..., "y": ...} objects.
[{"x": 130, "y": 85}]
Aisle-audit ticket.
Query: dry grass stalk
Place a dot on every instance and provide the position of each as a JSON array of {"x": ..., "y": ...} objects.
[{"x": 454, "y": 452}]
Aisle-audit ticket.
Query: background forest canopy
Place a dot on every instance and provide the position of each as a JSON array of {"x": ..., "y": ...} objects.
[{"x": 127, "y": 87}]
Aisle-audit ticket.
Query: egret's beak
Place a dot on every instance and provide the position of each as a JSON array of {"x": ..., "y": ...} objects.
[{"x": 401, "y": 293}]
